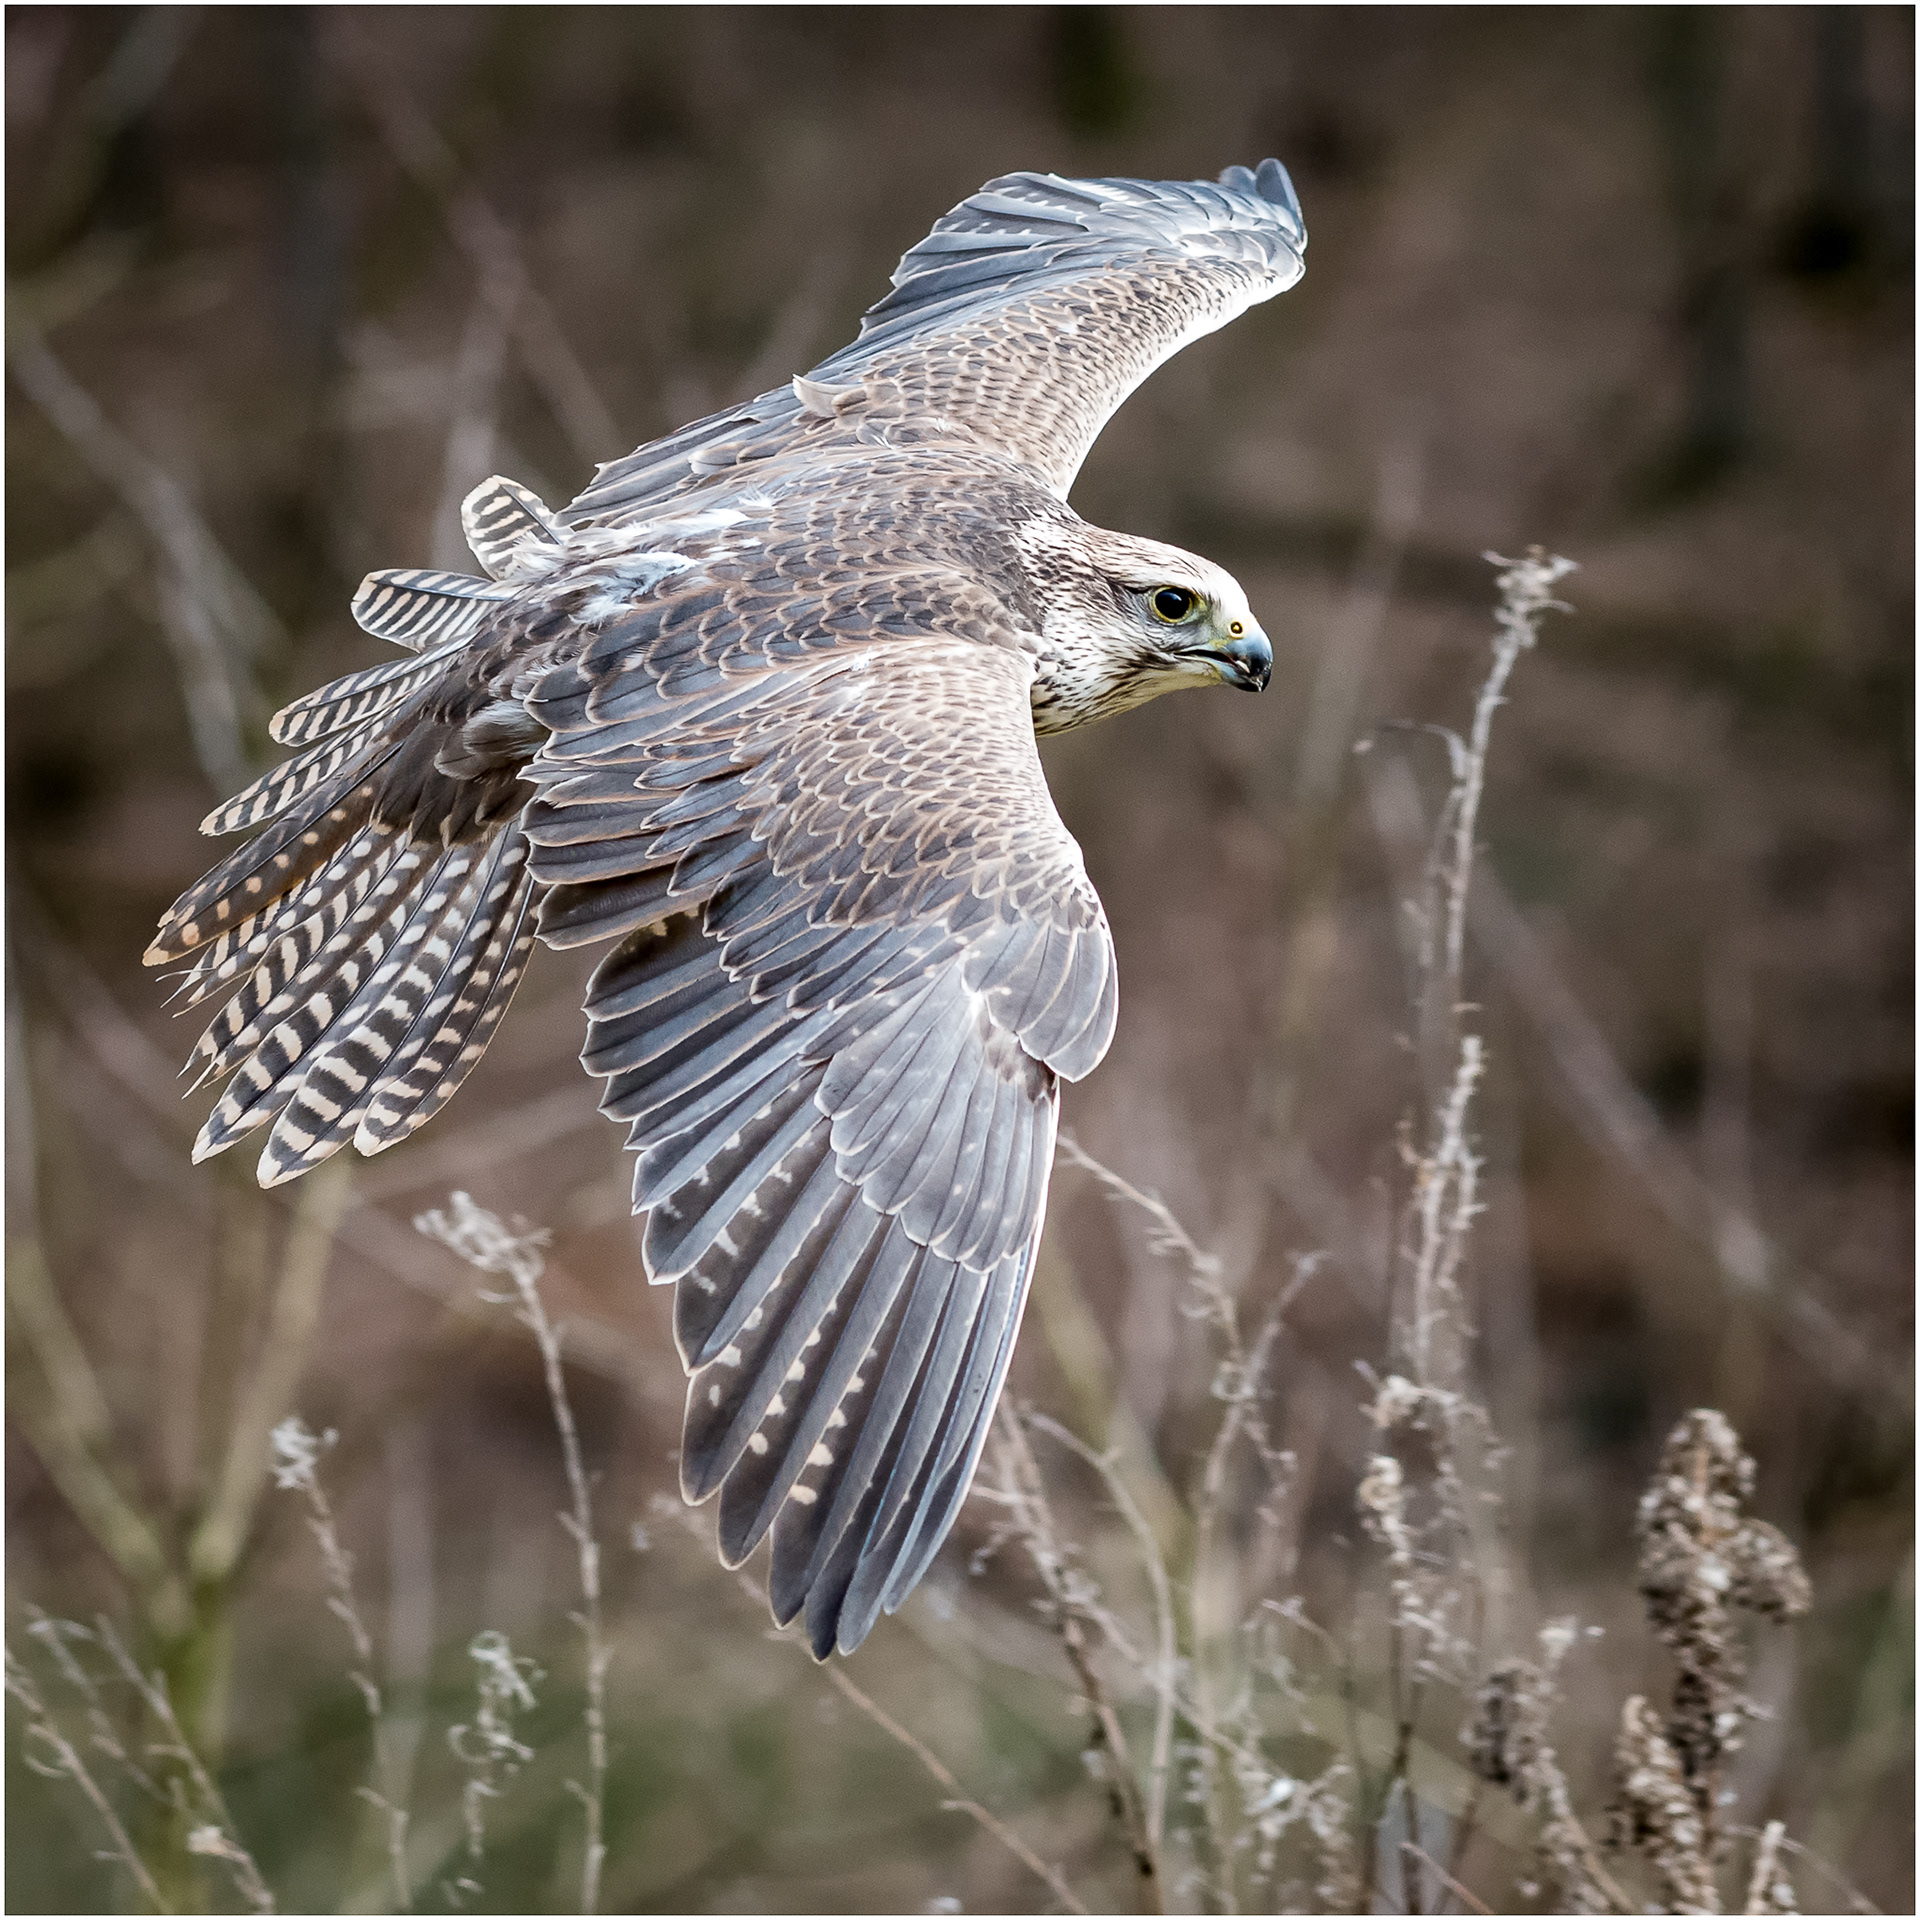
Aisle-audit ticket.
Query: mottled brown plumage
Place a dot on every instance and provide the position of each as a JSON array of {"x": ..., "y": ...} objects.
[{"x": 761, "y": 706}]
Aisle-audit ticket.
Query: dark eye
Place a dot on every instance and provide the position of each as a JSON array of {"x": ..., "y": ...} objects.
[{"x": 1173, "y": 604}]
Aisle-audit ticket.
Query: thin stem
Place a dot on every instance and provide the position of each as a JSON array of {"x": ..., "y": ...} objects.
[
  {"x": 1418, "y": 1856},
  {"x": 479, "y": 1238},
  {"x": 1160, "y": 1761},
  {"x": 66, "y": 1763},
  {"x": 216, "y": 1836},
  {"x": 269, "y": 1388},
  {"x": 1074, "y": 1610},
  {"x": 296, "y": 1455},
  {"x": 1855, "y": 1899},
  {"x": 1526, "y": 592},
  {"x": 991, "y": 1823},
  {"x": 986, "y": 1820}
]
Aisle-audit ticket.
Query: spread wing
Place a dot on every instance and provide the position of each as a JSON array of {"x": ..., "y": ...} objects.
[
  {"x": 860, "y": 950},
  {"x": 1024, "y": 318}
]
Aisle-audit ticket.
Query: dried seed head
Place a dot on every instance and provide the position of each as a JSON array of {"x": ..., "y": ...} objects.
[
  {"x": 1767, "y": 1575},
  {"x": 1656, "y": 1812},
  {"x": 1503, "y": 1734}
]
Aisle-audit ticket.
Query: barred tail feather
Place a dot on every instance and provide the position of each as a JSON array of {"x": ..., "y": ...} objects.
[
  {"x": 359, "y": 696},
  {"x": 272, "y": 1059},
  {"x": 268, "y": 867},
  {"x": 421, "y": 607},
  {"x": 301, "y": 961},
  {"x": 334, "y": 1090},
  {"x": 451, "y": 1032},
  {"x": 500, "y": 517},
  {"x": 278, "y": 788},
  {"x": 220, "y": 963}
]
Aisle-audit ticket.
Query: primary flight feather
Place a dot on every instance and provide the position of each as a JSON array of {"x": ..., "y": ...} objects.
[{"x": 761, "y": 707}]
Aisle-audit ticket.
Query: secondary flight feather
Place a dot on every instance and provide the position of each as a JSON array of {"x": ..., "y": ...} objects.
[{"x": 760, "y": 708}]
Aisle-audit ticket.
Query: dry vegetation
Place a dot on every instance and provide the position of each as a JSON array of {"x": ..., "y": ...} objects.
[{"x": 1547, "y": 1062}]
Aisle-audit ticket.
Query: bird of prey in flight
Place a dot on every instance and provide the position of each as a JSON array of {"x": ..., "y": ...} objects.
[{"x": 760, "y": 708}]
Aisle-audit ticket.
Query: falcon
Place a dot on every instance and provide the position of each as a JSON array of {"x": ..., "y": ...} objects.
[{"x": 760, "y": 707}]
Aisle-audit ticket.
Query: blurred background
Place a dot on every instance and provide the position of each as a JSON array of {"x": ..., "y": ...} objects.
[{"x": 1633, "y": 284}]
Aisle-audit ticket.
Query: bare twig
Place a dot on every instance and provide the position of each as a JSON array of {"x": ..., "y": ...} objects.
[
  {"x": 1526, "y": 593},
  {"x": 1857, "y": 1901},
  {"x": 1073, "y": 1605},
  {"x": 1166, "y": 1235},
  {"x": 1164, "y": 1669},
  {"x": 1419, "y": 1856}
]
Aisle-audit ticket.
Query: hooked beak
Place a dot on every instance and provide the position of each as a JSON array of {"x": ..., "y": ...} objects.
[{"x": 1245, "y": 661}]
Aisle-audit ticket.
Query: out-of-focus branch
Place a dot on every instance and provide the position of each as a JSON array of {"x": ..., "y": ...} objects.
[
  {"x": 797, "y": 322},
  {"x": 474, "y": 405},
  {"x": 486, "y": 239},
  {"x": 119, "y": 1529},
  {"x": 990, "y": 1822},
  {"x": 1333, "y": 707},
  {"x": 65, "y": 1414},
  {"x": 215, "y": 621},
  {"x": 1619, "y": 1119},
  {"x": 206, "y": 684},
  {"x": 1420, "y": 1857},
  {"x": 268, "y": 1391},
  {"x": 141, "y": 63},
  {"x": 152, "y": 493},
  {"x": 1080, "y": 1348}
]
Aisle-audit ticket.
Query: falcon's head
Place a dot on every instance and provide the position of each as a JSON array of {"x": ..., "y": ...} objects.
[{"x": 1124, "y": 620}]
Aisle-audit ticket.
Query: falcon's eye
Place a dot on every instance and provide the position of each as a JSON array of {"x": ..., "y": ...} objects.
[{"x": 1173, "y": 604}]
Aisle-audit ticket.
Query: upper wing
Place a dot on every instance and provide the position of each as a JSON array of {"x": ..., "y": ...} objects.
[
  {"x": 862, "y": 948},
  {"x": 1025, "y": 318}
]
